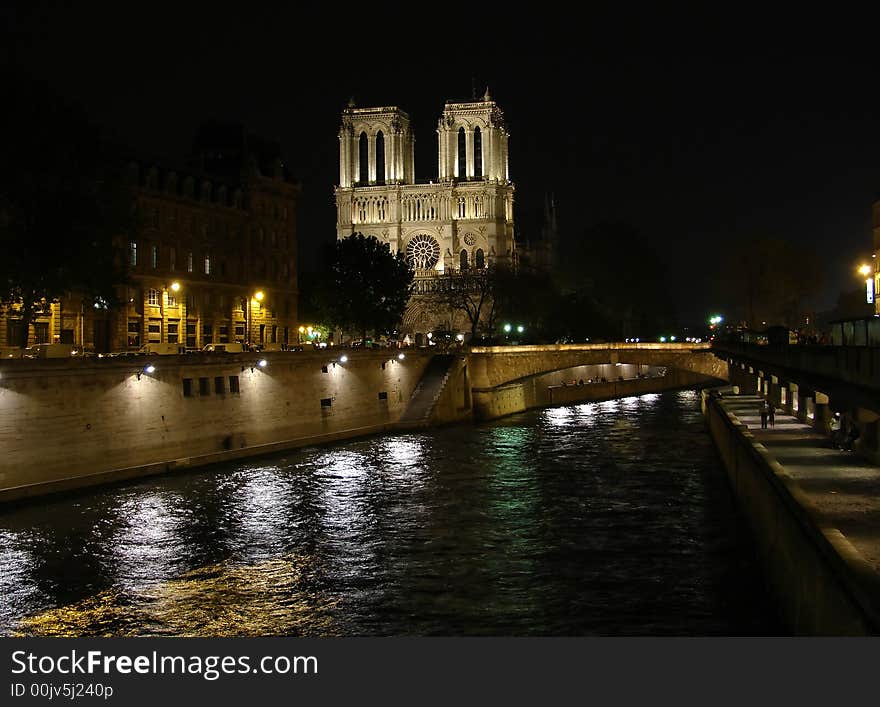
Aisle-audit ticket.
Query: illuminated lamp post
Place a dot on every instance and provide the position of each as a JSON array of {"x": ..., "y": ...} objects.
[
  {"x": 258, "y": 295},
  {"x": 865, "y": 272}
]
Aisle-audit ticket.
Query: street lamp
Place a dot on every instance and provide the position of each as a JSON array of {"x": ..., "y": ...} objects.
[
  {"x": 258, "y": 295},
  {"x": 865, "y": 271}
]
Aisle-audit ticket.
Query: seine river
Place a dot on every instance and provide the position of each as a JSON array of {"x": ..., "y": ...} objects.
[{"x": 608, "y": 519}]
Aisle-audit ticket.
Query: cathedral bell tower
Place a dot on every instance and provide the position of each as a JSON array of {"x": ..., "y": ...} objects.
[
  {"x": 472, "y": 139},
  {"x": 375, "y": 147}
]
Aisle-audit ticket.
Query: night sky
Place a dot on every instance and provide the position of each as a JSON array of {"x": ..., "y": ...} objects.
[{"x": 698, "y": 133}]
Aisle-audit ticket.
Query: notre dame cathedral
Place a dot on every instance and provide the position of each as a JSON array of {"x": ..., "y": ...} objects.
[{"x": 463, "y": 220}]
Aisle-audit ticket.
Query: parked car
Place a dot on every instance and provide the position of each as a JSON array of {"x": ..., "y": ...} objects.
[
  {"x": 162, "y": 349},
  {"x": 236, "y": 347},
  {"x": 48, "y": 351}
]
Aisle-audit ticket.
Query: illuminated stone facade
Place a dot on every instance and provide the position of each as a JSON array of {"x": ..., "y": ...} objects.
[
  {"x": 463, "y": 220},
  {"x": 211, "y": 238},
  {"x": 231, "y": 248}
]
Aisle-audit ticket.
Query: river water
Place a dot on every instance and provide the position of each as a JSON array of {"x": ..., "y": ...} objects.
[{"x": 609, "y": 518}]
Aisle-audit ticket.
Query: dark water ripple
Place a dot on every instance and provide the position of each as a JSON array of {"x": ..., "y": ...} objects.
[{"x": 609, "y": 518}]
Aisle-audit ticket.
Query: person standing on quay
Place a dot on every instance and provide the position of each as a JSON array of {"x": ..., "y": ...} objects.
[
  {"x": 772, "y": 414},
  {"x": 763, "y": 412}
]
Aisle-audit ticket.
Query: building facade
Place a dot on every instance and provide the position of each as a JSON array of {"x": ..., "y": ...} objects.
[
  {"x": 463, "y": 220},
  {"x": 214, "y": 260}
]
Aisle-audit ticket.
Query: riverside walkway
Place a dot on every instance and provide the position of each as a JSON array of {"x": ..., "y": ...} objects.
[{"x": 842, "y": 490}]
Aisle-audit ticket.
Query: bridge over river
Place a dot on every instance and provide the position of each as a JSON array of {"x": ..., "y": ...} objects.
[{"x": 508, "y": 379}]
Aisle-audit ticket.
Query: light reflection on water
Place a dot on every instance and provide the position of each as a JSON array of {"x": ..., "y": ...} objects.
[{"x": 606, "y": 518}]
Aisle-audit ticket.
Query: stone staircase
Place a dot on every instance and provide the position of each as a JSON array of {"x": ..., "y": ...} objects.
[{"x": 427, "y": 392}]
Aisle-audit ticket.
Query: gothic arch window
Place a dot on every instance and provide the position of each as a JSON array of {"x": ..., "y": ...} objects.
[
  {"x": 422, "y": 252},
  {"x": 480, "y": 259},
  {"x": 478, "y": 153},
  {"x": 463, "y": 257},
  {"x": 363, "y": 159},
  {"x": 462, "y": 154},
  {"x": 380, "y": 158}
]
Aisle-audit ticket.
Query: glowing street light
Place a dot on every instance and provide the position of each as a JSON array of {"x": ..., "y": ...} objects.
[
  {"x": 520, "y": 329},
  {"x": 258, "y": 296},
  {"x": 507, "y": 328},
  {"x": 865, "y": 271},
  {"x": 175, "y": 287}
]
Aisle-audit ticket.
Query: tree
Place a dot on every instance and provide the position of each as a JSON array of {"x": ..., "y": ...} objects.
[
  {"x": 618, "y": 270},
  {"x": 768, "y": 281},
  {"x": 64, "y": 205},
  {"x": 367, "y": 287},
  {"x": 471, "y": 292}
]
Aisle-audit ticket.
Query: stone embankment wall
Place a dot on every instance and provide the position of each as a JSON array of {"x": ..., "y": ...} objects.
[
  {"x": 65, "y": 424},
  {"x": 70, "y": 423},
  {"x": 816, "y": 577}
]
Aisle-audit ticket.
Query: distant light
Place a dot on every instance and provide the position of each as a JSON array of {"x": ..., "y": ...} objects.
[
  {"x": 401, "y": 356},
  {"x": 175, "y": 286},
  {"x": 507, "y": 327},
  {"x": 520, "y": 329},
  {"x": 672, "y": 338},
  {"x": 262, "y": 363},
  {"x": 460, "y": 337},
  {"x": 637, "y": 340},
  {"x": 430, "y": 335},
  {"x": 865, "y": 270},
  {"x": 343, "y": 358},
  {"x": 150, "y": 369},
  {"x": 662, "y": 339},
  {"x": 302, "y": 330},
  {"x": 259, "y": 296}
]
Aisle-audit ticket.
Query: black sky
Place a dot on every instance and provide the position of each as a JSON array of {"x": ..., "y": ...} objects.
[{"x": 698, "y": 130}]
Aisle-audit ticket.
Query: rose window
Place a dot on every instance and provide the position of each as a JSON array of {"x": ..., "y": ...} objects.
[
  {"x": 423, "y": 252},
  {"x": 469, "y": 239}
]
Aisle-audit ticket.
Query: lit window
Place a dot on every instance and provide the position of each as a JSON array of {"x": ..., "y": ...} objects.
[
  {"x": 172, "y": 301},
  {"x": 154, "y": 256},
  {"x": 189, "y": 262},
  {"x": 153, "y": 298},
  {"x": 207, "y": 265},
  {"x": 133, "y": 253}
]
